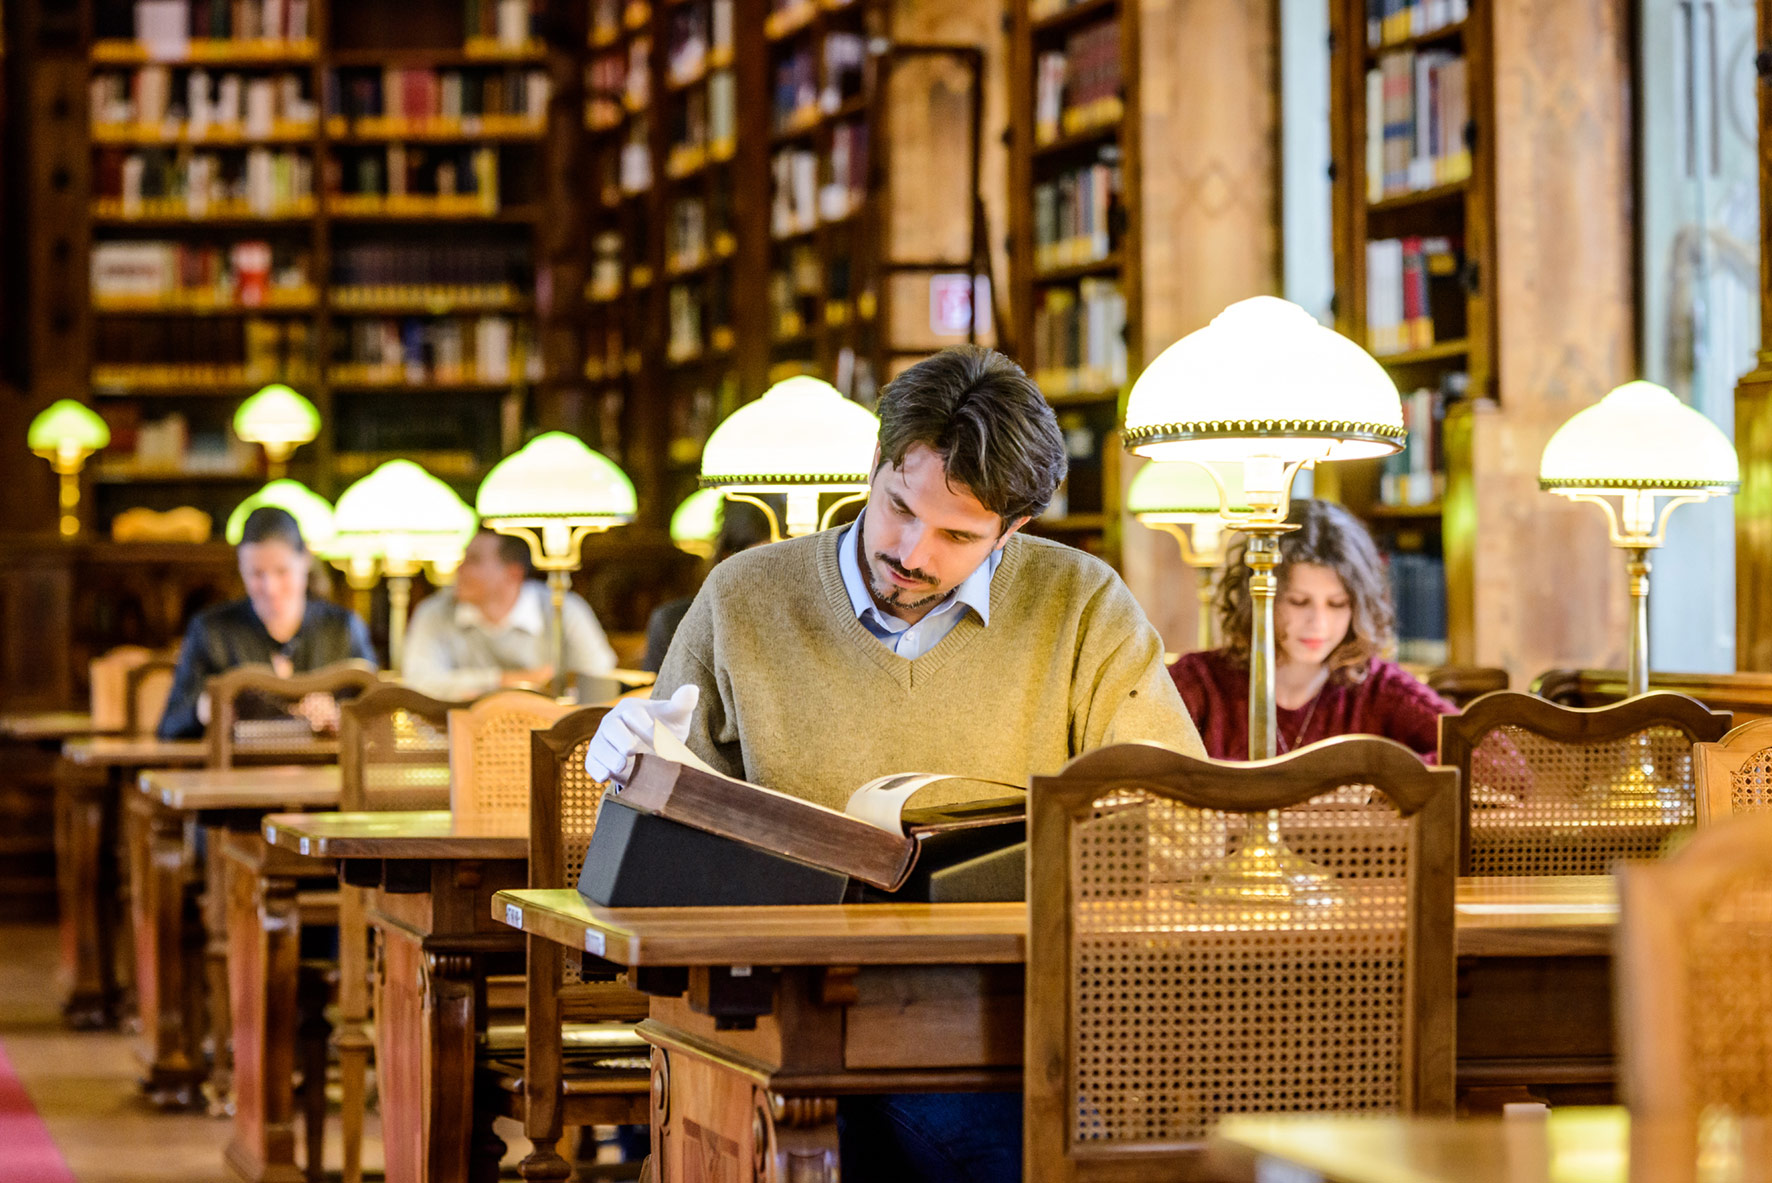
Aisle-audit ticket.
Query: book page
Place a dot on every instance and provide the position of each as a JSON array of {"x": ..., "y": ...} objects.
[
  {"x": 675, "y": 750},
  {"x": 880, "y": 802}
]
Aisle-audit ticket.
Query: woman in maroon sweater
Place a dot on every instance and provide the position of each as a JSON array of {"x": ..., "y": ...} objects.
[{"x": 1332, "y": 620}]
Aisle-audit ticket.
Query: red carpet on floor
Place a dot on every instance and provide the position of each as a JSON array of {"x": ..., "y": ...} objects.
[{"x": 27, "y": 1153}]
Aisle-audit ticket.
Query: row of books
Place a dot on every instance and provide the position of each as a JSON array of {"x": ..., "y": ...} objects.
[
  {"x": 700, "y": 35},
  {"x": 808, "y": 191},
  {"x": 166, "y": 25},
  {"x": 401, "y": 170},
  {"x": 703, "y": 125},
  {"x": 248, "y": 106},
  {"x": 411, "y": 350},
  {"x": 1080, "y": 338},
  {"x": 609, "y": 17},
  {"x": 447, "y": 95},
  {"x": 798, "y": 290},
  {"x": 1079, "y": 87},
  {"x": 1075, "y": 215},
  {"x": 690, "y": 307},
  {"x": 803, "y": 92},
  {"x": 607, "y": 268},
  {"x": 154, "y": 182},
  {"x": 1414, "y": 294},
  {"x": 171, "y": 443},
  {"x": 247, "y": 274},
  {"x": 1417, "y": 474},
  {"x": 157, "y": 352},
  {"x": 699, "y": 228},
  {"x": 1418, "y": 589},
  {"x": 464, "y": 264},
  {"x": 1417, "y": 111},
  {"x": 507, "y": 23},
  {"x": 1389, "y": 21}
]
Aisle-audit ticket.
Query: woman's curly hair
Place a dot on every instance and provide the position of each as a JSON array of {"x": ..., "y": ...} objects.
[{"x": 1329, "y": 536}]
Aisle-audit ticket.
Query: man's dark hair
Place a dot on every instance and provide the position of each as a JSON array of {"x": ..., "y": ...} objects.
[
  {"x": 267, "y": 523},
  {"x": 512, "y": 551},
  {"x": 987, "y": 421}
]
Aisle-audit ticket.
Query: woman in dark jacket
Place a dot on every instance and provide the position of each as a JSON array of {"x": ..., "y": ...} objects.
[{"x": 275, "y": 625}]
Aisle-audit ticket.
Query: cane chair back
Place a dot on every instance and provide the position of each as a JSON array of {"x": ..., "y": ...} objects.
[
  {"x": 394, "y": 750},
  {"x": 251, "y": 719},
  {"x": 146, "y": 688},
  {"x": 1745, "y": 695},
  {"x": 1735, "y": 773},
  {"x": 489, "y": 752},
  {"x": 1165, "y": 992},
  {"x": 1553, "y": 790},
  {"x": 1694, "y": 970},
  {"x": 109, "y": 696}
]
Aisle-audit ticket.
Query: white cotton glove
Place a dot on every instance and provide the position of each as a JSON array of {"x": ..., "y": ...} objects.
[{"x": 626, "y": 732}]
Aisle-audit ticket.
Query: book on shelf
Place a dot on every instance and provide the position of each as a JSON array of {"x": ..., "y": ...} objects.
[
  {"x": 1418, "y": 590},
  {"x": 167, "y": 27},
  {"x": 467, "y": 265},
  {"x": 1079, "y": 87},
  {"x": 1080, "y": 338},
  {"x": 397, "y": 351},
  {"x": 684, "y": 340},
  {"x": 687, "y": 41},
  {"x": 795, "y": 101},
  {"x": 1417, "y": 111},
  {"x": 794, "y": 208},
  {"x": 250, "y": 273},
  {"x": 846, "y": 171},
  {"x": 401, "y": 178},
  {"x": 509, "y": 24},
  {"x": 1074, "y": 216},
  {"x": 157, "y": 182},
  {"x": 876, "y": 838},
  {"x": 637, "y": 77},
  {"x": 171, "y": 444},
  {"x": 606, "y": 83},
  {"x": 1389, "y": 21},
  {"x": 1415, "y": 296},
  {"x": 150, "y": 100},
  {"x": 845, "y": 59},
  {"x": 1417, "y": 474},
  {"x": 722, "y": 111},
  {"x": 474, "y": 99}
]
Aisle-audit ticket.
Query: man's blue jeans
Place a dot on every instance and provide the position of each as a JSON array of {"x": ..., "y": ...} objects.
[{"x": 931, "y": 1138}]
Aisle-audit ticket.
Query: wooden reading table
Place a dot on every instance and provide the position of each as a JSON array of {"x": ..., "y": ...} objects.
[
  {"x": 431, "y": 879},
  {"x": 45, "y": 726},
  {"x": 761, "y": 1017},
  {"x": 89, "y": 782}
]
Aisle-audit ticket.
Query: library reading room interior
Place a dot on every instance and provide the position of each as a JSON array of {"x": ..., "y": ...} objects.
[{"x": 886, "y": 591}]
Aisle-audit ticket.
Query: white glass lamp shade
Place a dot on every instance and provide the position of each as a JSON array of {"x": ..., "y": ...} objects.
[
  {"x": 1639, "y": 439},
  {"x": 1265, "y": 380},
  {"x": 67, "y": 432},
  {"x": 555, "y": 478},
  {"x": 1181, "y": 491},
  {"x": 801, "y": 433},
  {"x": 278, "y": 418},
  {"x": 405, "y": 515},
  {"x": 696, "y": 522},
  {"x": 312, "y": 513}
]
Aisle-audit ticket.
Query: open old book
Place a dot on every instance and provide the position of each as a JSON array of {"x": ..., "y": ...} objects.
[{"x": 877, "y": 838}]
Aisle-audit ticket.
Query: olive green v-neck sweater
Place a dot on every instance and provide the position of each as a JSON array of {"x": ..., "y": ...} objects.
[{"x": 798, "y": 696}]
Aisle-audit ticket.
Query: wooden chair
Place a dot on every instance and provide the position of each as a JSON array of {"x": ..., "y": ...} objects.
[
  {"x": 1693, "y": 972},
  {"x": 393, "y": 754},
  {"x": 1735, "y": 773},
  {"x": 489, "y": 752},
  {"x": 1461, "y": 684},
  {"x": 146, "y": 688},
  {"x": 108, "y": 696},
  {"x": 1745, "y": 695},
  {"x": 249, "y": 719},
  {"x": 1163, "y": 994},
  {"x": 1554, "y": 790},
  {"x": 581, "y": 1062}
]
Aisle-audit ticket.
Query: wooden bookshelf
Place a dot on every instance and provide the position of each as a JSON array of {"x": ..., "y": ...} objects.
[
  {"x": 1075, "y": 245},
  {"x": 1534, "y": 321}
]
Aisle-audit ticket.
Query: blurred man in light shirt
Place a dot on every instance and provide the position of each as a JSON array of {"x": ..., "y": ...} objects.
[{"x": 495, "y": 628}]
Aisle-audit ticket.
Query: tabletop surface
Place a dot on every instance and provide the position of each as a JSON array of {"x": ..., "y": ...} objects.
[
  {"x": 45, "y": 724},
  {"x": 141, "y": 751},
  {"x": 1572, "y": 1145},
  {"x": 273, "y": 786},
  {"x": 398, "y": 834},
  {"x": 1571, "y": 915}
]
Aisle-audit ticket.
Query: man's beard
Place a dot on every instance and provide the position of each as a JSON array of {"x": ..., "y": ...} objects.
[{"x": 892, "y": 596}]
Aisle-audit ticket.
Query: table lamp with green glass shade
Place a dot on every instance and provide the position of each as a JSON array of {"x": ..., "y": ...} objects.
[
  {"x": 278, "y": 420},
  {"x": 65, "y": 433},
  {"x": 802, "y": 438},
  {"x": 552, "y": 493},
  {"x": 406, "y": 518},
  {"x": 1637, "y": 444},
  {"x": 312, "y": 513},
  {"x": 1181, "y": 499},
  {"x": 695, "y": 523},
  {"x": 1267, "y": 388}
]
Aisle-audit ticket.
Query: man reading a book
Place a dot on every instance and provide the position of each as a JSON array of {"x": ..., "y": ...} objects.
[{"x": 934, "y": 635}]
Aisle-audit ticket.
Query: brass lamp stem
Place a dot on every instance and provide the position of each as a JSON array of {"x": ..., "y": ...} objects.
[
  {"x": 399, "y": 601},
  {"x": 1263, "y": 555},
  {"x": 1636, "y": 566},
  {"x": 559, "y": 583},
  {"x": 1203, "y": 614},
  {"x": 69, "y": 498}
]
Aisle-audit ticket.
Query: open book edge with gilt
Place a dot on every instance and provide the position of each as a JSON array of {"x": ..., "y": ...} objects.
[{"x": 876, "y": 838}]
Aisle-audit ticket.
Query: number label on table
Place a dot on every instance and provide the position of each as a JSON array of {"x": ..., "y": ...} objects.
[
  {"x": 594, "y": 943},
  {"x": 513, "y": 916},
  {"x": 305, "y": 844},
  {"x": 1273, "y": 1170}
]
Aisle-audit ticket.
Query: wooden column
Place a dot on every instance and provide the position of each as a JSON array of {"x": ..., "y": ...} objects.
[
  {"x": 1210, "y": 186},
  {"x": 1753, "y": 420},
  {"x": 1547, "y": 589}
]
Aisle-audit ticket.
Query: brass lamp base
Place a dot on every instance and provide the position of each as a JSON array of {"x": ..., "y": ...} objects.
[{"x": 1264, "y": 869}]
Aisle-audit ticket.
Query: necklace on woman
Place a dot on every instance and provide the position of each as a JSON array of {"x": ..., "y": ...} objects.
[{"x": 1298, "y": 736}]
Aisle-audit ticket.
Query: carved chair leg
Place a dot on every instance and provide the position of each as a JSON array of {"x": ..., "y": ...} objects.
[
  {"x": 219, "y": 1023},
  {"x": 486, "y": 1149},
  {"x": 544, "y": 1162},
  {"x": 353, "y": 1071}
]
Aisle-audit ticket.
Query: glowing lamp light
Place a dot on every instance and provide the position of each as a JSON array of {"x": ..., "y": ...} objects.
[
  {"x": 1182, "y": 499},
  {"x": 696, "y": 522},
  {"x": 65, "y": 433},
  {"x": 802, "y": 438},
  {"x": 279, "y": 420},
  {"x": 1637, "y": 444},
  {"x": 312, "y": 513}
]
